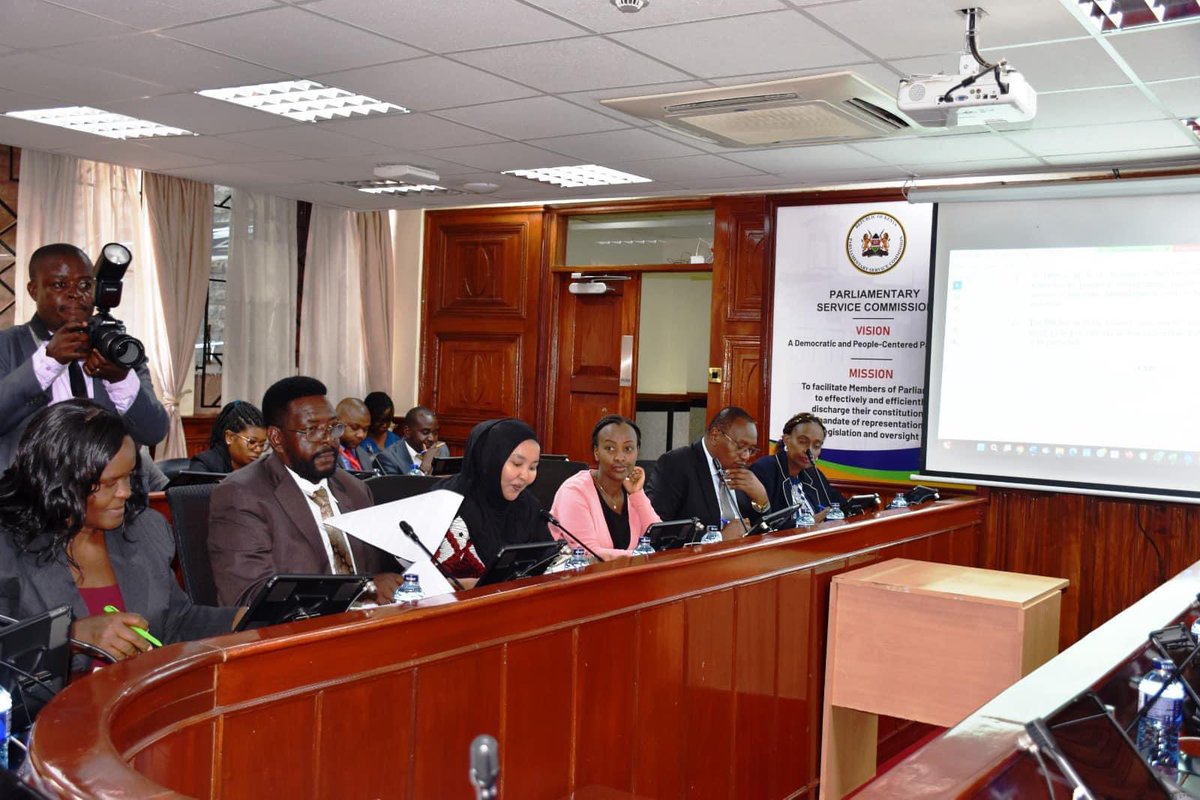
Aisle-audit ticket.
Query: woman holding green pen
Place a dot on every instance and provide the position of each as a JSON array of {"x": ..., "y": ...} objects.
[{"x": 74, "y": 530}]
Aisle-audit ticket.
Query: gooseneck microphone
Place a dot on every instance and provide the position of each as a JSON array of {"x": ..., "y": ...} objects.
[
  {"x": 812, "y": 459},
  {"x": 546, "y": 515},
  {"x": 410, "y": 533},
  {"x": 485, "y": 766},
  {"x": 732, "y": 497}
]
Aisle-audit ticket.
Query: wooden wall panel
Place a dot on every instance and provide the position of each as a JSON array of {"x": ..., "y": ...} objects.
[
  {"x": 482, "y": 313},
  {"x": 536, "y": 748},
  {"x": 657, "y": 762},
  {"x": 756, "y": 631},
  {"x": 605, "y": 731},
  {"x": 351, "y": 716},
  {"x": 285, "y": 726},
  {"x": 182, "y": 760},
  {"x": 707, "y": 693}
]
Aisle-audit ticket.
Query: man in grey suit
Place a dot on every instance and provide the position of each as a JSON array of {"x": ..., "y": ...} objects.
[
  {"x": 414, "y": 454},
  {"x": 266, "y": 518},
  {"x": 51, "y": 358}
]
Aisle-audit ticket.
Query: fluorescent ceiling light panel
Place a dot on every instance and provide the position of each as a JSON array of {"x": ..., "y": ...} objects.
[
  {"x": 98, "y": 122},
  {"x": 573, "y": 177},
  {"x": 396, "y": 187},
  {"x": 1115, "y": 15},
  {"x": 305, "y": 101}
]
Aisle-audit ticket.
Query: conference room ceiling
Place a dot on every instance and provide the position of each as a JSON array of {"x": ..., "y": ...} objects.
[{"x": 498, "y": 85}]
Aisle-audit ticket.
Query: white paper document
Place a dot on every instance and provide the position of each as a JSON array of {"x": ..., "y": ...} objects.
[
  {"x": 432, "y": 580},
  {"x": 429, "y": 514}
]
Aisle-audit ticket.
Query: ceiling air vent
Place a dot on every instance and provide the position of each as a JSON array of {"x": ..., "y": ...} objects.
[{"x": 835, "y": 107}]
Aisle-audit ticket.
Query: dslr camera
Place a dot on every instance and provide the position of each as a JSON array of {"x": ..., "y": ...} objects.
[{"x": 107, "y": 334}]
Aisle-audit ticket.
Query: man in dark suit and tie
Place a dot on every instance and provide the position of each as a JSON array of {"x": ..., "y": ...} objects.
[
  {"x": 710, "y": 480},
  {"x": 414, "y": 454},
  {"x": 51, "y": 358},
  {"x": 266, "y": 519}
]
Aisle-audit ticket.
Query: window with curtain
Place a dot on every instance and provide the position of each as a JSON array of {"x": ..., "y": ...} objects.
[{"x": 210, "y": 344}]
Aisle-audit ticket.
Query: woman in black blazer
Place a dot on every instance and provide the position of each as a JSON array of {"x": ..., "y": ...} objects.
[
  {"x": 74, "y": 530},
  {"x": 791, "y": 474},
  {"x": 238, "y": 438}
]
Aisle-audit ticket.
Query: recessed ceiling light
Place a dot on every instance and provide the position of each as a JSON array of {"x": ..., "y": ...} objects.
[
  {"x": 481, "y": 187},
  {"x": 1116, "y": 15},
  {"x": 306, "y": 101},
  {"x": 630, "y": 6},
  {"x": 396, "y": 187},
  {"x": 571, "y": 177},
  {"x": 98, "y": 122}
]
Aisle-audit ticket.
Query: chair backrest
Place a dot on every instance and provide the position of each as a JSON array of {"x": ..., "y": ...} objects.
[
  {"x": 386, "y": 488},
  {"x": 550, "y": 476},
  {"x": 172, "y": 466},
  {"x": 650, "y": 465},
  {"x": 189, "y": 512}
]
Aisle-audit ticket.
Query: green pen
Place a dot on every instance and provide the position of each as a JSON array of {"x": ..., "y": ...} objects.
[{"x": 144, "y": 634}]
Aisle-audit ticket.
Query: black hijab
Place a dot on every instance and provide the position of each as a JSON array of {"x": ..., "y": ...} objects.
[{"x": 492, "y": 521}]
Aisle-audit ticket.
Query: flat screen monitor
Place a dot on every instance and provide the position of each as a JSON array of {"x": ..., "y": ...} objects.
[
  {"x": 520, "y": 561},
  {"x": 287, "y": 598},
  {"x": 39, "y": 647}
]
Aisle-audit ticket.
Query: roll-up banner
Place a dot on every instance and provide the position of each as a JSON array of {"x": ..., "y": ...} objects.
[{"x": 850, "y": 320}]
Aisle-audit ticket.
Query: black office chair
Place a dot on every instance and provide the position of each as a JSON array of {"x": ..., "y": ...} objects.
[
  {"x": 650, "y": 465},
  {"x": 172, "y": 466},
  {"x": 550, "y": 476},
  {"x": 189, "y": 511},
  {"x": 386, "y": 488}
]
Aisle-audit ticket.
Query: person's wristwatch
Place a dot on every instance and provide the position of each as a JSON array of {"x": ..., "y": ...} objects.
[{"x": 764, "y": 508}]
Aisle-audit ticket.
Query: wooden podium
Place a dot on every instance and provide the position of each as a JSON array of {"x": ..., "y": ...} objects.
[{"x": 926, "y": 642}]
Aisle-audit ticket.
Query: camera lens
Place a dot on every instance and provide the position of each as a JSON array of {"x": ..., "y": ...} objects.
[{"x": 124, "y": 350}]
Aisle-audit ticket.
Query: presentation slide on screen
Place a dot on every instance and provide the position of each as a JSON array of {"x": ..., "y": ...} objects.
[{"x": 1068, "y": 364}]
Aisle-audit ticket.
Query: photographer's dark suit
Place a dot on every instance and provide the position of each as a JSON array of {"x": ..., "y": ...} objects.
[{"x": 21, "y": 396}]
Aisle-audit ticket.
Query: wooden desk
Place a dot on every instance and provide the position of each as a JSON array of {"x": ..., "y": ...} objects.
[
  {"x": 928, "y": 642},
  {"x": 686, "y": 674},
  {"x": 981, "y": 758}
]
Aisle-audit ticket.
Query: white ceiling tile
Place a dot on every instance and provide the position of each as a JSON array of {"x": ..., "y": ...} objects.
[
  {"x": 19, "y": 101},
  {"x": 531, "y": 117},
  {"x": 154, "y": 14},
  {"x": 1090, "y": 106},
  {"x": 179, "y": 66},
  {"x": 791, "y": 160},
  {"x": 573, "y": 65},
  {"x": 307, "y": 140},
  {"x": 1162, "y": 154},
  {"x": 448, "y": 25},
  {"x": 884, "y": 78},
  {"x": 31, "y": 23},
  {"x": 687, "y": 170},
  {"x": 1161, "y": 53},
  {"x": 411, "y": 131},
  {"x": 241, "y": 176},
  {"x": 965, "y": 168},
  {"x": 69, "y": 83},
  {"x": 215, "y": 148},
  {"x": 504, "y": 156},
  {"x": 745, "y": 183},
  {"x": 605, "y": 18},
  {"x": 743, "y": 45},
  {"x": 926, "y": 27},
  {"x": 424, "y": 84},
  {"x": 195, "y": 113},
  {"x": 978, "y": 146},
  {"x": 1181, "y": 97},
  {"x": 1062, "y": 65},
  {"x": 136, "y": 154},
  {"x": 255, "y": 37},
  {"x": 626, "y": 145},
  {"x": 591, "y": 98},
  {"x": 1129, "y": 137}
]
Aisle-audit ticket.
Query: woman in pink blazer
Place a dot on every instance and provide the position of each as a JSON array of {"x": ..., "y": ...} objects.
[{"x": 606, "y": 507}]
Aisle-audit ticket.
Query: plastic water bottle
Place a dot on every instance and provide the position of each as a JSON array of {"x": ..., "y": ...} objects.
[
  {"x": 899, "y": 501},
  {"x": 579, "y": 559},
  {"x": 804, "y": 514},
  {"x": 712, "y": 535},
  {"x": 5, "y": 725},
  {"x": 835, "y": 512},
  {"x": 409, "y": 591},
  {"x": 1158, "y": 730},
  {"x": 644, "y": 548}
]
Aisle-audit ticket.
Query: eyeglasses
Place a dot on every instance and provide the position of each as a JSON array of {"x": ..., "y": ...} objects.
[
  {"x": 81, "y": 285},
  {"x": 750, "y": 450},
  {"x": 317, "y": 433},
  {"x": 259, "y": 444}
]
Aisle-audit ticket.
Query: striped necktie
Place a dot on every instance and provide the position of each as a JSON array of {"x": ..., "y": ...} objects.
[{"x": 342, "y": 560}]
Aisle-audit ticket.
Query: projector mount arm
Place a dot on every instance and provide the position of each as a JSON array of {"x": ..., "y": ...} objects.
[{"x": 973, "y": 49}]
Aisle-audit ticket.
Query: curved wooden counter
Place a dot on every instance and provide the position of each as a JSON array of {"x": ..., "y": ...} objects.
[{"x": 690, "y": 673}]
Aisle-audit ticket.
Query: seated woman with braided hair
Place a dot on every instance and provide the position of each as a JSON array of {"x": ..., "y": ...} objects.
[
  {"x": 239, "y": 437},
  {"x": 74, "y": 530},
  {"x": 791, "y": 476}
]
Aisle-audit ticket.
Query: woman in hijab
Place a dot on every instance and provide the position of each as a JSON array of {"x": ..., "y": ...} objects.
[{"x": 500, "y": 461}]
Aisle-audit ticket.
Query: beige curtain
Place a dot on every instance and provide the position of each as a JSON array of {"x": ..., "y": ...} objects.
[
  {"x": 331, "y": 307},
  {"x": 375, "y": 244},
  {"x": 180, "y": 219}
]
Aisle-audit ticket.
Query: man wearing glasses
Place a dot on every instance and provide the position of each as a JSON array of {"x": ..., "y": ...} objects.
[
  {"x": 51, "y": 359},
  {"x": 268, "y": 518},
  {"x": 710, "y": 480}
]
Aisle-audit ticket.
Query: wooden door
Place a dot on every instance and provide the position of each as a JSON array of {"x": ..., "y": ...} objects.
[{"x": 595, "y": 362}]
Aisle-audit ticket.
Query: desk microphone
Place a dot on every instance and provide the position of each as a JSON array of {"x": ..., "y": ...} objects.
[
  {"x": 546, "y": 515},
  {"x": 812, "y": 459},
  {"x": 1040, "y": 740},
  {"x": 410, "y": 533},
  {"x": 485, "y": 767}
]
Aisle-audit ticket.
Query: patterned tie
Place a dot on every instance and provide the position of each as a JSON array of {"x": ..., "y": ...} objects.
[
  {"x": 343, "y": 564},
  {"x": 725, "y": 499}
]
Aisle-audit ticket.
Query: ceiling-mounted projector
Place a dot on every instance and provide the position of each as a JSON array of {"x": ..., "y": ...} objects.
[
  {"x": 406, "y": 173},
  {"x": 939, "y": 101},
  {"x": 980, "y": 94}
]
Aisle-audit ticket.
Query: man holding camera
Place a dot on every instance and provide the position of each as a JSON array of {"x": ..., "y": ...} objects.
[{"x": 52, "y": 358}]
